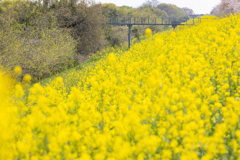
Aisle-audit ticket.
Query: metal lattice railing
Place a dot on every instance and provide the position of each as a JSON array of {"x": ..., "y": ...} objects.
[
  {"x": 130, "y": 21},
  {"x": 145, "y": 21}
]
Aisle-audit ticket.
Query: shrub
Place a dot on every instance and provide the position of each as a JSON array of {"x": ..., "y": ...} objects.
[
  {"x": 116, "y": 35},
  {"x": 40, "y": 52},
  {"x": 84, "y": 21}
]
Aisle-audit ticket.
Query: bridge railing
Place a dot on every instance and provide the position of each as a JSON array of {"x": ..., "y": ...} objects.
[
  {"x": 130, "y": 21},
  {"x": 145, "y": 20}
]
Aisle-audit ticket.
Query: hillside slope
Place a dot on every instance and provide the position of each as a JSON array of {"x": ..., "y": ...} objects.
[{"x": 173, "y": 96}]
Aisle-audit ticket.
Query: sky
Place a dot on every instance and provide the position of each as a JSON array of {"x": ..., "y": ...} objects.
[{"x": 198, "y": 6}]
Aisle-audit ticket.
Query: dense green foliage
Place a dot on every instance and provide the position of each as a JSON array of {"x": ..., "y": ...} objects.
[
  {"x": 171, "y": 10},
  {"x": 40, "y": 53},
  {"x": 44, "y": 38}
]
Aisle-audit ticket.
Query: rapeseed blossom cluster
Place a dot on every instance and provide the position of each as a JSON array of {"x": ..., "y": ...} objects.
[
  {"x": 173, "y": 96},
  {"x": 148, "y": 32},
  {"x": 27, "y": 78},
  {"x": 18, "y": 70}
]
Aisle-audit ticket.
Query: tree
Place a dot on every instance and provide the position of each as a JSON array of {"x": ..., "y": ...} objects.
[
  {"x": 47, "y": 34},
  {"x": 215, "y": 11},
  {"x": 172, "y": 10},
  {"x": 155, "y": 3},
  {"x": 188, "y": 11},
  {"x": 110, "y": 10},
  {"x": 227, "y": 7},
  {"x": 152, "y": 3}
]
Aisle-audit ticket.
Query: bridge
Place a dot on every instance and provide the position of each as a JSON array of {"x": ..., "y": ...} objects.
[{"x": 130, "y": 21}]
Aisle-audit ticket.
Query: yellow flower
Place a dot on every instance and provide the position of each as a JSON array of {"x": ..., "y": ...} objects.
[
  {"x": 59, "y": 81},
  {"x": 17, "y": 70},
  {"x": 148, "y": 32},
  {"x": 27, "y": 78},
  {"x": 167, "y": 154},
  {"x": 222, "y": 149},
  {"x": 140, "y": 156},
  {"x": 174, "y": 143},
  {"x": 238, "y": 134},
  {"x": 171, "y": 97},
  {"x": 18, "y": 91}
]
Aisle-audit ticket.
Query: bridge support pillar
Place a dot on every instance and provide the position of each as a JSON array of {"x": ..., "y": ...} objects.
[
  {"x": 129, "y": 35},
  {"x": 174, "y": 26}
]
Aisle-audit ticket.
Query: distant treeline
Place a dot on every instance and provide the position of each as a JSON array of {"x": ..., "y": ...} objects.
[
  {"x": 47, "y": 36},
  {"x": 226, "y": 7}
]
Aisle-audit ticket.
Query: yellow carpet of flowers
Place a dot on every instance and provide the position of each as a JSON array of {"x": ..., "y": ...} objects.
[{"x": 172, "y": 96}]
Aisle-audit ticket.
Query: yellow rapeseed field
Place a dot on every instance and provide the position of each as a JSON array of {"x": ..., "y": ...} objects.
[{"x": 172, "y": 96}]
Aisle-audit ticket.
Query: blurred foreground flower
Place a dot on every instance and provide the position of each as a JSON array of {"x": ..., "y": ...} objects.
[{"x": 18, "y": 91}]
